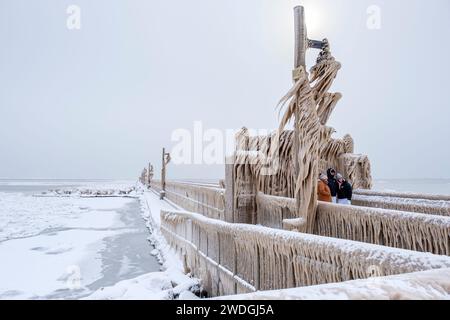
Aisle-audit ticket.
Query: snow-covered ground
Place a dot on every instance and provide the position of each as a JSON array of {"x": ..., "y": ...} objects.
[{"x": 72, "y": 246}]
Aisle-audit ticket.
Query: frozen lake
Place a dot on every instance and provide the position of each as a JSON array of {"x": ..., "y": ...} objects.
[
  {"x": 432, "y": 186},
  {"x": 68, "y": 247}
]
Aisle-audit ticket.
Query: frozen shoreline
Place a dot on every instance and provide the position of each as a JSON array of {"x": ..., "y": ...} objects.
[{"x": 68, "y": 247}]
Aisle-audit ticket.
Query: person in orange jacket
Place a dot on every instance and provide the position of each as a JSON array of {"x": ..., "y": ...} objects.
[{"x": 323, "y": 190}]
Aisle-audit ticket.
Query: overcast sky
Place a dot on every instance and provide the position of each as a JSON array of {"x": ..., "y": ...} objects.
[{"x": 101, "y": 101}]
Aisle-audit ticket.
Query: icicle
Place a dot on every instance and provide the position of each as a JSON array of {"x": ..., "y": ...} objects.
[
  {"x": 407, "y": 230},
  {"x": 255, "y": 257}
]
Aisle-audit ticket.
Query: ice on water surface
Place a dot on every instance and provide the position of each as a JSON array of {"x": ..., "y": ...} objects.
[{"x": 68, "y": 247}]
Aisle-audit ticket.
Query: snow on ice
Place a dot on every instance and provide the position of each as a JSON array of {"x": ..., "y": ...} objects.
[{"x": 76, "y": 243}]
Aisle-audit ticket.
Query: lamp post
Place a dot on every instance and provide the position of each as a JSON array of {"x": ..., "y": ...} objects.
[{"x": 302, "y": 43}]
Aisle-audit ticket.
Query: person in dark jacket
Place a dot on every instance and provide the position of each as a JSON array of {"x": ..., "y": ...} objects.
[
  {"x": 332, "y": 183},
  {"x": 344, "y": 191}
]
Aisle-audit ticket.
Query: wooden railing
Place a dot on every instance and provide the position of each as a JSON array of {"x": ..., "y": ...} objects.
[
  {"x": 239, "y": 258},
  {"x": 400, "y": 229},
  {"x": 403, "y": 201},
  {"x": 406, "y": 195},
  {"x": 393, "y": 228},
  {"x": 272, "y": 210},
  {"x": 206, "y": 200}
]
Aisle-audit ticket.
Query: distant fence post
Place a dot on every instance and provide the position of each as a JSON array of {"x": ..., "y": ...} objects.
[
  {"x": 165, "y": 161},
  {"x": 229, "y": 189},
  {"x": 143, "y": 176},
  {"x": 149, "y": 174}
]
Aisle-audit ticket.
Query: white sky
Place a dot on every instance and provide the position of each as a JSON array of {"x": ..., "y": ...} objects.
[{"x": 101, "y": 101}]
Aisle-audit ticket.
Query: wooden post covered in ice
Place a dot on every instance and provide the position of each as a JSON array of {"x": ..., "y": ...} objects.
[
  {"x": 165, "y": 161},
  {"x": 300, "y": 37},
  {"x": 229, "y": 188},
  {"x": 301, "y": 45},
  {"x": 299, "y": 61},
  {"x": 149, "y": 174},
  {"x": 306, "y": 129}
]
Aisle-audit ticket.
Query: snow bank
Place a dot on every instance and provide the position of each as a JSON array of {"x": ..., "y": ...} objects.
[{"x": 150, "y": 286}]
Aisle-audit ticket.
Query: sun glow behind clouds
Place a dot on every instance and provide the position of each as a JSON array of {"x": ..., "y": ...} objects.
[
  {"x": 314, "y": 17},
  {"x": 277, "y": 24}
]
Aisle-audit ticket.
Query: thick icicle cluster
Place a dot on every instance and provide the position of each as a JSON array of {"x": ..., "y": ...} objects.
[
  {"x": 307, "y": 97},
  {"x": 407, "y": 230},
  {"x": 268, "y": 164},
  {"x": 253, "y": 155}
]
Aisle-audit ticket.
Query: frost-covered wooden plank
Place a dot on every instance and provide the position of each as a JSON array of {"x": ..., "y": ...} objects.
[
  {"x": 438, "y": 207},
  {"x": 396, "y": 194}
]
